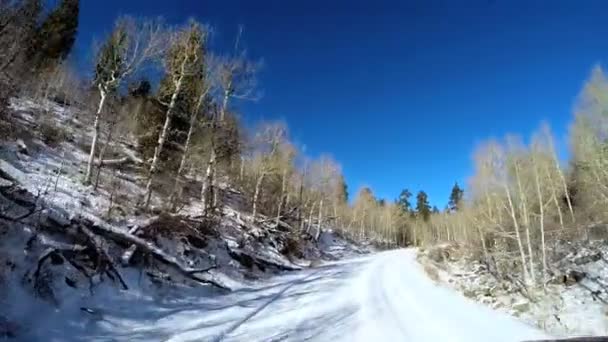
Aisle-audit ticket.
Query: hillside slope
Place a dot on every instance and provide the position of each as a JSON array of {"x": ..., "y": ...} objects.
[{"x": 65, "y": 245}]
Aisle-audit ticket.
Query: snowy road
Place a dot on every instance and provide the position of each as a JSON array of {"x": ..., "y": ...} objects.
[{"x": 382, "y": 297}]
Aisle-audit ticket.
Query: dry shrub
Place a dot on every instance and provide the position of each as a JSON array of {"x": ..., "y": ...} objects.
[
  {"x": 293, "y": 247},
  {"x": 438, "y": 254},
  {"x": 432, "y": 272},
  {"x": 51, "y": 133},
  {"x": 176, "y": 227}
]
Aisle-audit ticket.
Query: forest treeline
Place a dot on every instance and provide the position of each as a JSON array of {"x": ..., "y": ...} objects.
[
  {"x": 188, "y": 133},
  {"x": 185, "y": 124}
]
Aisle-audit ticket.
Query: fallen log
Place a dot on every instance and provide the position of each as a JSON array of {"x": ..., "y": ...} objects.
[
  {"x": 149, "y": 247},
  {"x": 128, "y": 254},
  {"x": 119, "y": 161},
  {"x": 101, "y": 248}
]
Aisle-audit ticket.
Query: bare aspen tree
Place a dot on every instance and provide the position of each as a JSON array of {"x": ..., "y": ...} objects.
[
  {"x": 497, "y": 157},
  {"x": 326, "y": 172},
  {"x": 546, "y": 132},
  {"x": 132, "y": 44},
  {"x": 183, "y": 59},
  {"x": 236, "y": 77},
  {"x": 518, "y": 156},
  {"x": 202, "y": 92},
  {"x": 268, "y": 140},
  {"x": 285, "y": 160},
  {"x": 542, "y": 151},
  {"x": 207, "y": 186},
  {"x": 539, "y": 194}
]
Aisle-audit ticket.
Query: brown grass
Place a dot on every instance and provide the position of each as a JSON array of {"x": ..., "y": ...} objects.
[{"x": 432, "y": 272}]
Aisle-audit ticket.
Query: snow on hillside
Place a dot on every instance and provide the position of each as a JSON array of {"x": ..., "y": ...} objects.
[
  {"x": 46, "y": 212},
  {"x": 574, "y": 302}
]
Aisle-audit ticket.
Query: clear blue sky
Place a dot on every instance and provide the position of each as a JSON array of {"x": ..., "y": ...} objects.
[{"x": 400, "y": 92}]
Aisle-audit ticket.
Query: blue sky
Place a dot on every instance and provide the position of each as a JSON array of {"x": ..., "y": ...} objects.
[{"x": 399, "y": 92}]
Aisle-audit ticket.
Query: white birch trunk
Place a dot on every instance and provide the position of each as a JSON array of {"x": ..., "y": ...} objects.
[
  {"x": 525, "y": 272},
  {"x": 542, "y": 222},
  {"x": 225, "y": 102},
  {"x": 164, "y": 133},
  {"x": 312, "y": 209},
  {"x": 208, "y": 182},
  {"x": 562, "y": 179},
  {"x": 555, "y": 200},
  {"x": 177, "y": 188},
  {"x": 283, "y": 185},
  {"x": 102, "y": 100},
  {"x": 526, "y": 218},
  {"x": 256, "y": 194},
  {"x": 320, "y": 220}
]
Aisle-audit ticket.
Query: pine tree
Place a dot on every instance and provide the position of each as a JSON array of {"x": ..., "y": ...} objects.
[
  {"x": 54, "y": 39},
  {"x": 404, "y": 201},
  {"x": 435, "y": 210},
  {"x": 184, "y": 61},
  {"x": 18, "y": 22},
  {"x": 342, "y": 190},
  {"x": 455, "y": 198},
  {"x": 423, "y": 208}
]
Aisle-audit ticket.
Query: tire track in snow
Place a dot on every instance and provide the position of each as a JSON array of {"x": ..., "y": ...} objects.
[{"x": 253, "y": 313}]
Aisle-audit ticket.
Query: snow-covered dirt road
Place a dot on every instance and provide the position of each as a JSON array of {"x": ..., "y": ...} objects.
[{"x": 382, "y": 297}]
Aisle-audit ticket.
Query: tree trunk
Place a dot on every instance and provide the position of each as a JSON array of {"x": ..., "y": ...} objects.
[
  {"x": 554, "y": 198},
  {"x": 256, "y": 194},
  {"x": 483, "y": 244},
  {"x": 312, "y": 209},
  {"x": 176, "y": 194},
  {"x": 526, "y": 275},
  {"x": 562, "y": 179},
  {"x": 526, "y": 218},
  {"x": 447, "y": 230},
  {"x": 225, "y": 102},
  {"x": 103, "y": 151},
  {"x": 283, "y": 186},
  {"x": 102, "y": 100},
  {"x": 542, "y": 221},
  {"x": 320, "y": 220},
  {"x": 242, "y": 171},
  {"x": 162, "y": 137},
  {"x": 300, "y": 197},
  {"x": 207, "y": 188}
]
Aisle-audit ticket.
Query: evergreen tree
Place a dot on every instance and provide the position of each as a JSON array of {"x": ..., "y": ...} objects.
[
  {"x": 342, "y": 190},
  {"x": 435, "y": 210},
  {"x": 423, "y": 208},
  {"x": 18, "y": 22},
  {"x": 54, "y": 39},
  {"x": 455, "y": 198},
  {"x": 188, "y": 95},
  {"x": 404, "y": 200}
]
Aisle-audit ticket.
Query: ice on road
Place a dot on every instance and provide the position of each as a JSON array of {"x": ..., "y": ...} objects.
[{"x": 381, "y": 297}]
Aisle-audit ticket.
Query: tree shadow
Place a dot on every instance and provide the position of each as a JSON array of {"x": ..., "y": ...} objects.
[{"x": 218, "y": 317}]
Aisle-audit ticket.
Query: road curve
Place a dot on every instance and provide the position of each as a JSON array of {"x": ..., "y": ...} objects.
[{"x": 381, "y": 297}]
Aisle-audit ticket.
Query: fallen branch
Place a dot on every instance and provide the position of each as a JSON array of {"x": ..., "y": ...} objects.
[
  {"x": 149, "y": 247},
  {"x": 99, "y": 245},
  {"x": 119, "y": 161}
]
